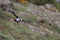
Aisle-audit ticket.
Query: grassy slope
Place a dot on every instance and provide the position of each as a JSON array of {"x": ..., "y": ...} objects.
[{"x": 9, "y": 30}]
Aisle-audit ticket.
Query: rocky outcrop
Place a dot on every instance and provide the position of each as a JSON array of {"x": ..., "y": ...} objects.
[
  {"x": 51, "y": 7},
  {"x": 4, "y": 1}
]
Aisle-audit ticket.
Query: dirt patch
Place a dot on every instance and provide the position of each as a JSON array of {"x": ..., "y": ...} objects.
[{"x": 2, "y": 28}]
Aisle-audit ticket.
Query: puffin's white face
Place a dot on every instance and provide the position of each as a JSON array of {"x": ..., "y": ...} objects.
[{"x": 17, "y": 19}]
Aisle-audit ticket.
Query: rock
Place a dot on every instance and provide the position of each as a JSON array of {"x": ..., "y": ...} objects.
[
  {"x": 43, "y": 33},
  {"x": 4, "y": 1},
  {"x": 58, "y": 1},
  {"x": 51, "y": 7},
  {"x": 48, "y": 5}
]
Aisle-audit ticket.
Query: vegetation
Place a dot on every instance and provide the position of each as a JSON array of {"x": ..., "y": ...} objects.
[
  {"x": 42, "y": 2},
  {"x": 10, "y": 30}
]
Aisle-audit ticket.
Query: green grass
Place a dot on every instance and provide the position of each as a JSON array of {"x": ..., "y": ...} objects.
[{"x": 53, "y": 27}]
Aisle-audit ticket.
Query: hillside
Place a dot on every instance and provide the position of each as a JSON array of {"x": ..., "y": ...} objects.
[{"x": 41, "y": 24}]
